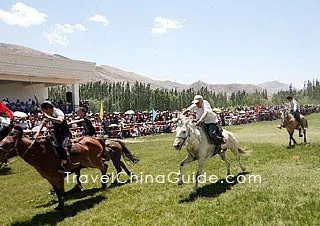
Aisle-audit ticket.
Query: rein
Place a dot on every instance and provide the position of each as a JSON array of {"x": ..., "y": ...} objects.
[
  {"x": 15, "y": 148},
  {"x": 27, "y": 149},
  {"x": 184, "y": 138}
]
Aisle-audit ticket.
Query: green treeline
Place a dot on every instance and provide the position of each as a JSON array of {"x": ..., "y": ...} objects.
[{"x": 122, "y": 96}]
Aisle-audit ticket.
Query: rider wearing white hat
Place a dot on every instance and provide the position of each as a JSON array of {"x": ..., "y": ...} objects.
[{"x": 205, "y": 114}]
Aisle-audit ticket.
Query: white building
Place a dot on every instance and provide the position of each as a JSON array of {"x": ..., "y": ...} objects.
[{"x": 24, "y": 71}]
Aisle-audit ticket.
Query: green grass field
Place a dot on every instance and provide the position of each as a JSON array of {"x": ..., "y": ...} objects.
[{"x": 287, "y": 195}]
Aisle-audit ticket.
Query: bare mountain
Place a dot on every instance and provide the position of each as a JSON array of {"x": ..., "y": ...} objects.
[
  {"x": 111, "y": 74},
  {"x": 16, "y": 49},
  {"x": 107, "y": 73},
  {"x": 275, "y": 86},
  {"x": 228, "y": 88}
]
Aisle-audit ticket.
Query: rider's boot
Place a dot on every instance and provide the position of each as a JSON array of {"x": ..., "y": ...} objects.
[{"x": 64, "y": 161}]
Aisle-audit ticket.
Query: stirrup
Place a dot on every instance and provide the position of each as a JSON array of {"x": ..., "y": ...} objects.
[{"x": 62, "y": 170}]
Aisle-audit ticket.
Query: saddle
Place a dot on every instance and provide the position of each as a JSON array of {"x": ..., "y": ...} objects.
[
  {"x": 54, "y": 144},
  {"x": 218, "y": 132}
]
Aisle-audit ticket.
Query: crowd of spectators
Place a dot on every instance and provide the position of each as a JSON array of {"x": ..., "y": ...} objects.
[
  {"x": 31, "y": 106},
  {"x": 135, "y": 124}
]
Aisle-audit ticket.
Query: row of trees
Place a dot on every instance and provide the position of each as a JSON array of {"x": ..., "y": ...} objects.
[
  {"x": 310, "y": 94},
  {"x": 122, "y": 96}
]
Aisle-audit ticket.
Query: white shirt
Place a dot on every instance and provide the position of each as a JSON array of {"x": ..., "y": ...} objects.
[
  {"x": 4, "y": 121},
  {"x": 211, "y": 116},
  {"x": 57, "y": 113},
  {"x": 294, "y": 105}
]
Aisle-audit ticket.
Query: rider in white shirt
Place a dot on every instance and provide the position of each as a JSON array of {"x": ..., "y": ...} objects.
[
  {"x": 205, "y": 114},
  {"x": 295, "y": 110}
]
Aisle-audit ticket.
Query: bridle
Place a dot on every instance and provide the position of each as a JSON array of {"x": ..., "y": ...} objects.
[
  {"x": 8, "y": 151},
  {"x": 15, "y": 148},
  {"x": 184, "y": 138}
]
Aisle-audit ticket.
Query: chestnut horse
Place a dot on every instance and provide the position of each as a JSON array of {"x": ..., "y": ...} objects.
[
  {"x": 117, "y": 149},
  {"x": 87, "y": 152},
  {"x": 291, "y": 124},
  {"x": 114, "y": 151}
]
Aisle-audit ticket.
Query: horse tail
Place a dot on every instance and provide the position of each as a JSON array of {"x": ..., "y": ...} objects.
[
  {"x": 307, "y": 123},
  {"x": 244, "y": 152},
  {"x": 128, "y": 154}
]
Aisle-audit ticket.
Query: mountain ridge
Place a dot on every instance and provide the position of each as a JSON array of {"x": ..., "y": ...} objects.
[{"x": 112, "y": 74}]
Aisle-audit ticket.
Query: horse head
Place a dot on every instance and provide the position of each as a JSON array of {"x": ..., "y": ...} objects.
[
  {"x": 182, "y": 132},
  {"x": 4, "y": 131},
  {"x": 8, "y": 146}
]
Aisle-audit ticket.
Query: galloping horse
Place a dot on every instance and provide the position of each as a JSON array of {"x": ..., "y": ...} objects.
[
  {"x": 118, "y": 149},
  {"x": 199, "y": 148},
  {"x": 87, "y": 152},
  {"x": 292, "y": 124},
  {"x": 113, "y": 150}
]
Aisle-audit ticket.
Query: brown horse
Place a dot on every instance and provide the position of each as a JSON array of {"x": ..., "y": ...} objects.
[
  {"x": 87, "y": 152},
  {"x": 291, "y": 124},
  {"x": 113, "y": 150}
]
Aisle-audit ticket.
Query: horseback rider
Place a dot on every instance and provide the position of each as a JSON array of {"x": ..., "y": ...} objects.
[
  {"x": 205, "y": 114},
  {"x": 61, "y": 133},
  {"x": 295, "y": 110},
  {"x": 88, "y": 128}
]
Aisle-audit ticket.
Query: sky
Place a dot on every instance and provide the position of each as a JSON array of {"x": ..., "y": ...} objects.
[{"x": 218, "y": 42}]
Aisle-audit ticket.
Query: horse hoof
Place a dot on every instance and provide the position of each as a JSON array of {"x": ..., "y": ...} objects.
[
  {"x": 59, "y": 208},
  {"x": 180, "y": 182},
  {"x": 52, "y": 192},
  {"x": 76, "y": 189},
  {"x": 114, "y": 183}
]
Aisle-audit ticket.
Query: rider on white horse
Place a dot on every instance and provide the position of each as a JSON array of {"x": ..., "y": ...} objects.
[{"x": 205, "y": 114}]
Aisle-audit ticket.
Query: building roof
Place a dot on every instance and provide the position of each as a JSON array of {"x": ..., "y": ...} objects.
[{"x": 18, "y": 63}]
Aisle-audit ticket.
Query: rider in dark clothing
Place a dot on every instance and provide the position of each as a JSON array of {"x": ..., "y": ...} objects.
[
  {"x": 61, "y": 133},
  {"x": 88, "y": 128}
]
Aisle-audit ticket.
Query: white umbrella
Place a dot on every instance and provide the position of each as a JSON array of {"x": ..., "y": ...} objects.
[
  {"x": 217, "y": 110},
  {"x": 129, "y": 112},
  {"x": 113, "y": 125},
  {"x": 19, "y": 114},
  {"x": 36, "y": 128}
]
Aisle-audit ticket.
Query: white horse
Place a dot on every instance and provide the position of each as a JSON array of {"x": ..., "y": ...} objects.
[{"x": 199, "y": 148}]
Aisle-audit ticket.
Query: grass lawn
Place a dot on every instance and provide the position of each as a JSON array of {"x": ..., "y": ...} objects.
[{"x": 287, "y": 195}]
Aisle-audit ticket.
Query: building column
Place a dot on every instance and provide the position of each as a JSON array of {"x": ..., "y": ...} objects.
[{"x": 75, "y": 97}]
